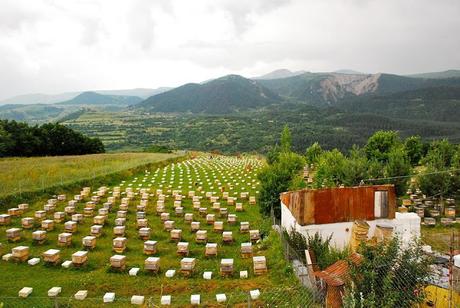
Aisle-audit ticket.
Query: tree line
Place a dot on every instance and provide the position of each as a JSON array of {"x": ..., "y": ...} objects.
[{"x": 51, "y": 139}]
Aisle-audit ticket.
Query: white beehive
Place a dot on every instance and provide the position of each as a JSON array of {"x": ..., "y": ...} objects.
[
  {"x": 226, "y": 267},
  {"x": 252, "y": 200},
  {"x": 79, "y": 258},
  {"x": 254, "y": 235},
  {"x": 39, "y": 236},
  {"x": 260, "y": 265},
  {"x": 88, "y": 211},
  {"x": 65, "y": 239},
  {"x": 164, "y": 216},
  {"x": 81, "y": 295},
  {"x": 195, "y": 226},
  {"x": 119, "y": 244},
  {"x": 182, "y": 249},
  {"x": 51, "y": 256},
  {"x": 99, "y": 220},
  {"x": 27, "y": 222},
  {"x": 25, "y": 292},
  {"x": 118, "y": 262},
  {"x": 142, "y": 223},
  {"x": 187, "y": 266},
  {"x": 227, "y": 237},
  {"x": 152, "y": 264},
  {"x": 59, "y": 217},
  {"x": 244, "y": 227},
  {"x": 78, "y": 218},
  {"x": 144, "y": 233},
  {"x": 223, "y": 212},
  {"x": 231, "y": 219},
  {"x": 23, "y": 206},
  {"x": 218, "y": 226},
  {"x": 20, "y": 253},
  {"x": 5, "y": 219},
  {"x": 89, "y": 242},
  {"x": 210, "y": 218},
  {"x": 246, "y": 250},
  {"x": 211, "y": 250},
  {"x": 201, "y": 236},
  {"x": 137, "y": 300},
  {"x": 203, "y": 211},
  {"x": 54, "y": 291},
  {"x": 69, "y": 210},
  {"x": 96, "y": 230},
  {"x": 239, "y": 207},
  {"x": 176, "y": 235},
  {"x": 168, "y": 225},
  {"x": 150, "y": 247},
  {"x": 48, "y": 225},
  {"x": 40, "y": 215},
  {"x": 120, "y": 221},
  {"x": 13, "y": 234},
  {"x": 119, "y": 231}
]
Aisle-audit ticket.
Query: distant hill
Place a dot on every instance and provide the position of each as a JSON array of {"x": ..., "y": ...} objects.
[
  {"x": 139, "y": 92},
  {"x": 223, "y": 95},
  {"x": 348, "y": 71},
  {"x": 281, "y": 73},
  {"x": 30, "y": 113},
  {"x": 93, "y": 98},
  {"x": 437, "y": 75}
]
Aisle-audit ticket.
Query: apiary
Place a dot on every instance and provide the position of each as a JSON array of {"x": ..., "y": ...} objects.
[
  {"x": 230, "y": 201},
  {"x": 70, "y": 226},
  {"x": 150, "y": 247},
  {"x": 203, "y": 211},
  {"x": 119, "y": 231},
  {"x": 231, "y": 219},
  {"x": 239, "y": 207},
  {"x": 27, "y": 222},
  {"x": 168, "y": 225},
  {"x": 23, "y": 206},
  {"x": 176, "y": 235},
  {"x": 69, "y": 210},
  {"x": 14, "y": 212},
  {"x": 164, "y": 216},
  {"x": 20, "y": 253},
  {"x": 13, "y": 234},
  {"x": 244, "y": 227},
  {"x": 61, "y": 197},
  {"x": 160, "y": 209},
  {"x": 48, "y": 225},
  {"x": 195, "y": 226},
  {"x": 226, "y": 267},
  {"x": 211, "y": 250},
  {"x": 254, "y": 235},
  {"x": 40, "y": 215},
  {"x": 96, "y": 230},
  {"x": 218, "y": 226},
  {"x": 223, "y": 212},
  {"x": 142, "y": 223},
  {"x": 201, "y": 236},
  {"x": 260, "y": 265},
  {"x": 39, "y": 236},
  {"x": 152, "y": 264},
  {"x": 121, "y": 214},
  {"x": 118, "y": 262},
  {"x": 99, "y": 220},
  {"x": 187, "y": 266},
  {"x": 144, "y": 233},
  {"x": 52, "y": 256},
  {"x": 179, "y": 211},
  {"x": 65, "y": 239},
  {"x": 49, "y": 208},
  {"x": 188, "y": 218},
  {"x": 123, "y": 207},
  {"x": 5, "y": 219},
  {"x": 227, "y": 237},
  {"x": 89, "y": 242},
  {"x": 88, "y": 211},
  {"x": 246, "y": 250},
  {"x": 216, "y": 206},
  {"x": 59, "y": 217},
  {"x": 210, "y": 218},
  {"x": 182, "y": 249},
  {"x": 196, "y": 205},
  {"x": 120, "y": 221},
  {"x": 78, "y": 218},
  {"x": 252, "y": 200},
  {"x": 119, "y": 244}
]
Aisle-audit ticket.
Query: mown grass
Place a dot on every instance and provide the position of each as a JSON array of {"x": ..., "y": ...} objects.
[{"x": 98, "y": 279}]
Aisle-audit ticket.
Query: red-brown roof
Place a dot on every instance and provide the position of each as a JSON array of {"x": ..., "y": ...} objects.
[{"x": 338, "y": 273}]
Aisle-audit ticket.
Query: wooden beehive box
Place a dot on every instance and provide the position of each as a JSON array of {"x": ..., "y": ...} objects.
[
  {"x": 118, "y": 262},
  {"x": 69, "y": 210},
  {"x": 164, "y": 216},
  {"x": 119, "y": 231},
  {"x": 201, "y": 236},
  {"x": 196, "y": 205},
  {"x": 119, "y": 244},
  {"x": 223, "y": 212},
  {"x": 191, "y": 193},
  {"x": 176, "y": 235},
  {"x": 79, "y": 258},
  {"x": 182, "y": 249},
  {"x": 120, "y": 221},
  {"x": 103, "y": 211},
  {"x": 142, "y": 223},
  {"x": 89, "y": 242},
  {"x": 214, "y": 199},
  {"x": 231, "y": 219},
  {"x": 188, "y": 218},
  {"x": 88, "y": 211},
  {"x": 227, "y": 237},
  {"x": 49, "y": 208},
  {"x": 152, "y": 264},
  {"x": 160, "y": 209},
  {"x": 70, "y": 226},
  {"x": 23, "y": 206},
  {"x": 225, "y": 195},
  {"x": 140, "y": 208},
  {"x": 78, "y": 197},
  {"x": 123, "y": 207},
  {"x": 210, "y": 219},
  {"x": 106, "y": 208},
  {"x": 144, "y": 233},
  {"x": 230, "y": 200},
  {"x": 243, "y": 195},
  {"x": 239, "y": 207},
  {"x": 179, "y": 211},
  {"x": 218, "y": 226},
  {"x": 195, "y": 226},
  {"x": 59, "y": 217},
  {"x": 5, "y": 219},
  {"x": 121, "y": 214},
  {"x": 52, "y": 256},
  {"x": 254, "y": 235},
  {"x": 203, "y": 211},
  {"x": 13, "y": 234},
  {"x": 168, "y": 225},
  {"x": 20, "y": 253},
  {"x": 246, "y": 250},
  {"x": 244, "y": 227},
  {"x": 48, "y": 225},
  {"x": 14, "y": 212},
  {"x": 260, "y": 265},
  {"x": 95, "y": 199},
  {"x": 187, "y": 266},
  {"x": 177, "y": 203},
  {"x": 99, "y": 220},
  {"x": 211, "y": 250},
  {"x": 150, "y": 247},
  {"x": 28, "y": 222},
  {"x": 61, "y": 197},
  {"x": 96, "y": 230},
  {"x": 40, "y": 215},
  {"x": 226, "y": 267},
  {"x": 90, "y": 205},
  {"x": 252, "y": 200},
  {"x": 78, "y": 218},
  {"x": 216, "y": 206},
  {"x": 65, "y": 239},
  {"x": 39, "y": 236}
]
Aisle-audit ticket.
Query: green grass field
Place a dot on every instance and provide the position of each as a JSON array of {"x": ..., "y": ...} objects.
[
  {"x": 96, "y": 277},
  {"x": 19, "y": 175}
]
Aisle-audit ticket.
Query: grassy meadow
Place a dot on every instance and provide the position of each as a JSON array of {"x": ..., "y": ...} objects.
[{"x": 236, "y": 175}]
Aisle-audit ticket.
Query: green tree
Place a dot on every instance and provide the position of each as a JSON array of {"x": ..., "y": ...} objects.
[
  {"x": 436, "y": 180},
  {"x": 273, "y": 154},
  {"x": 356, "y": 167},
  {"x": 331, "y": 169},
  {"x": 398, "y": 166},
  {"x": 414, "y": 149},
  {"x": 286, "y": 139},
  {"x": 313, "y": 153},
  {"x": 380, "y": 144}
]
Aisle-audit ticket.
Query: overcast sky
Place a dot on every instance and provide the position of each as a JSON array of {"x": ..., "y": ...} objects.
[{"x": 67, "y": 45}]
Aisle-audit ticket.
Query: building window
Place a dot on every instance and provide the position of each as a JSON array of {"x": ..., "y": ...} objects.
[{"x": 381, "y": 204}]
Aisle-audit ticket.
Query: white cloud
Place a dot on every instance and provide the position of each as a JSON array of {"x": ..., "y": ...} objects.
[{"x": 54, "y": 46}]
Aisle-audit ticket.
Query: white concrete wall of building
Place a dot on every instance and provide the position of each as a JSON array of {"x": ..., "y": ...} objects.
[{"x": 406, "y": 225}]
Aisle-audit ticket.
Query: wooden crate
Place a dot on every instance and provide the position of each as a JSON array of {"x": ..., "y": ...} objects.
[
  {"x": 195, "y": 226},
  {"x": 218, "y": 226},
  {"x": 5, "y": 219},
  {"x": 260, "y": 265},
  {"x": 211, "y": 250},
  {"x": 144, "y": 233},
  {"x": 28, "y": 222},
  {"x": 20, "y": 253},
  {"x": 96, "y": 230},
  {"x": 119, "y": 244},
  {"x": 39, "y": 236},
  {"x": 226, "y": 267},
  {"x": 231, "y": 219},
  {"x": 201, "y": 236},
  {"x": 210, "y": 219},
  {"x": 168, "y": 225},
  {"x": 13, "y": 234},
  {"x": 150, "y": 247},
  {"x": 182, "y": 249},
  {"x": 227, "y": 237},
  {"x": 89, "y": 242},
  {"x": 254, "y": 235},
  {"x": 118, "y": 262},
  {"x": 119, "y": 231},
  {"x": 152, "y": 264},
  {"x": 52, "y": 256},
  {"x": 246, "y": 250},
  {"x": 187, "y": 266},
  {"x": 244, "y": 227},
  {"x": 59, "y": 217},
  {"x": 175, "y": 235},
  {"x": 48, "y": 225},
  {"x": 65, "y": 239},
  {"x": 164, "y": 217},
  {"x": 70, "y": 226}
]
